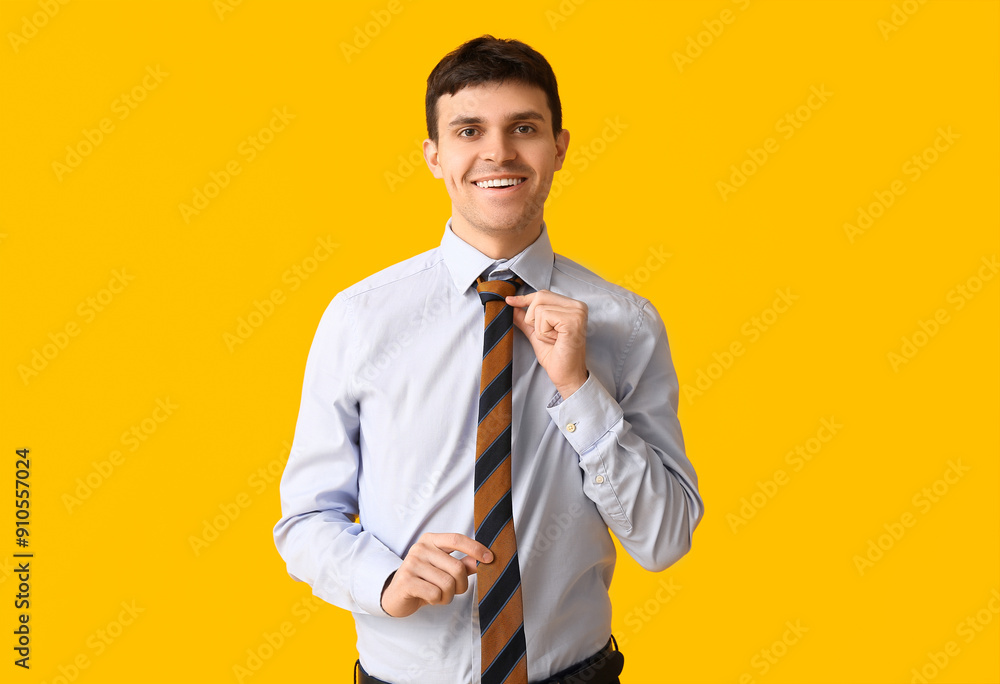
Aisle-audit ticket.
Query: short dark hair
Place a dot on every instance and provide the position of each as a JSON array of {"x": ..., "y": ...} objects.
[{"x": 490, "y": 60}]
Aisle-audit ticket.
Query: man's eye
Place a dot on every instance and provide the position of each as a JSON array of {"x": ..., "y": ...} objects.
[
  {"x": 462, "y": 133},
  {"x": 528, "y": 128}
]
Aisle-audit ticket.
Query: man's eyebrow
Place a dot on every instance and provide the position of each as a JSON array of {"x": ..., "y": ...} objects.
[{"x": 516, "y": 116}]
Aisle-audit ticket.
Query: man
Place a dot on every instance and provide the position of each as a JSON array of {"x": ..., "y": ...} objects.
[{"x": 402, "y": 423}]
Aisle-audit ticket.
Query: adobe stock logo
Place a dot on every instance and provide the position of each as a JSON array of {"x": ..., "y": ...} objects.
[
  {"x": 769, "y": 656},
  {"x": 293, "y": 277},
  {"x": 123, "y": 105},
  {"x": 365, "y": 34},
  {"x": 646, "y": 612},
  {"x": 30, "y": 27},
  {"x": 561, "y": 13},
  {"x": 584, "y": 155},
  {"x": 102, "y": 470},
  {"x": 958, "y": 297},
  {"x": 642, "y": 273},
  {"x": 697, "y": 44},
  {"x": 752, "y": 330},
  {"x": 901, "y": 14},
  {"x": 924, "y": 501},
  {"x": 229, "y": 511},
  {"x": 968, "y": 629},
  {"x": 797, "y": 458},
  {"x": 249, "y": 148},
  {"x": 271, "y": 642},
  {"x": 913, "y": 168},
  {"x": 223, "y": 6},
  {"x": 43, "y": 355},
  {"x": 789, "y": 123},
  {"x": 97, "y": 642}
]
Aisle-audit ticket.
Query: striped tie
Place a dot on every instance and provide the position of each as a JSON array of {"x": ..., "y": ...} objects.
[{"x": 501, "y": 622}]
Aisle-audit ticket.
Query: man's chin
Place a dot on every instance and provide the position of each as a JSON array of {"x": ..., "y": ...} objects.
[
  {"x": 498, "y": 223},
  {"x": 502, "y": 226}
]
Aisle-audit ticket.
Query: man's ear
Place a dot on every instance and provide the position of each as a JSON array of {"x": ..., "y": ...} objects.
[
  {"x": 562, "y": 144},
  {"x": 431, "y": 157}
]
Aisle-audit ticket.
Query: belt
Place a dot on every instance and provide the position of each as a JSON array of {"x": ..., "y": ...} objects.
[{"x": 601, "y": 668}]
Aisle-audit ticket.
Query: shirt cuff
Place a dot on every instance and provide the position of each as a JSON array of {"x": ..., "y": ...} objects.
[
  {"x": 586, "y": 415},
  {"x": 370, "y": 581}
]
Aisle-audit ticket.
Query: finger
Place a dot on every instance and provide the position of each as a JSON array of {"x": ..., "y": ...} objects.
[
  {"x": 556, "y": 318},
  {"x": 410, "y": 584},
  {"x": 546, "y": 320},
  {"x": 437, "y": 558},
  {"x": 541, "y": 296},
  {"x": 459, "y": 542},
  {"x": 441, "y": 581},
  {"x": 521, "y": 322},
  {"x": 520, "y": 300},
  {"x": 470, "y": 568},
  {"x": 460, "y": 581},
  {"x": 424, "y": 591},
  {"x": 457, "y": 580},
  {"x": 543, "y": 326}
]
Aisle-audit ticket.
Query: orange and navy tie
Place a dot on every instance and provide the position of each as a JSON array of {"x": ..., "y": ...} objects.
[{"x": 501, "y": 620}]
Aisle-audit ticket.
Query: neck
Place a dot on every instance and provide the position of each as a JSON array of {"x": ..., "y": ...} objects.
[{"x": 500, "y": 244}]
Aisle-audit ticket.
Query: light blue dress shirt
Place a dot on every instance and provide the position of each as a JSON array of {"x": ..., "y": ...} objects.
[{"x": 387, "y": 432}]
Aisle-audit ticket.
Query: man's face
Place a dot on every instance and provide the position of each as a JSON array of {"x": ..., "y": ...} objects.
[{"x": 493, "y": 132}]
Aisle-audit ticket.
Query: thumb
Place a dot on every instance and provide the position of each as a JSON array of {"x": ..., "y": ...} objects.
[{"x": 520, "y": 322}]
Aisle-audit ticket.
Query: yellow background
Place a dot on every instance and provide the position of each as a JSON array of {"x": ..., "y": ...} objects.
[{"x": 895, "y": 72}]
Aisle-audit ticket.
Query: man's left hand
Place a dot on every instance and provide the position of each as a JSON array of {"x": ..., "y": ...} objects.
[{"x": 556, "y": 326}]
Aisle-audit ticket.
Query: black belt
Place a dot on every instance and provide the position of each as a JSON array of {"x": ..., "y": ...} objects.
[{"x": 601, "y": 668}]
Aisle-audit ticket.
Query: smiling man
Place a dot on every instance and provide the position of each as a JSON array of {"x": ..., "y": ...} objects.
[
  {"x": 497, "y": 152},
  {"x": 477, "y": 420}
]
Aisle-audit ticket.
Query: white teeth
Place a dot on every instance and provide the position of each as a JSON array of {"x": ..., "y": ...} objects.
[{"x": 500, "y": 182}]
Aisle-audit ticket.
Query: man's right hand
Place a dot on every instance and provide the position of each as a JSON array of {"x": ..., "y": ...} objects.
[{"x": 431, "y": 576}]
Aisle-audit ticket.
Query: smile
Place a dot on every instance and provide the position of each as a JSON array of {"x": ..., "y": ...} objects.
[{"x": 500, "y": 182}]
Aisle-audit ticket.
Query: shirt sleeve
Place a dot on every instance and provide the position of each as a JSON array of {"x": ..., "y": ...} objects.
[
  {"x": 632, "y": 451},
  {"x": 317, "y": 535}
]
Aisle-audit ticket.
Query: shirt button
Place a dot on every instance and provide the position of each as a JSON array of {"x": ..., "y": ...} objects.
[
  {"x": 571, "y": 427},
  {"x": 599, "y": 479}
]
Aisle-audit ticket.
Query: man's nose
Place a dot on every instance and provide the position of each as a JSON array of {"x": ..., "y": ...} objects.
[{"x": 498, "y": 148}]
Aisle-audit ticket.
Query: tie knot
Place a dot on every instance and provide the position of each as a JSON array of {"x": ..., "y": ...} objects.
[{"x": 496, "y": 290}]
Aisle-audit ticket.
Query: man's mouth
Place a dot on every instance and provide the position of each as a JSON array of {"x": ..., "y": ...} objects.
[{"x": 505, "y": 182}]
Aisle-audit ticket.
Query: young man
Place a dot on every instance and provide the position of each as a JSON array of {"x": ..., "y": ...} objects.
[{"x": 421, "y": 402}]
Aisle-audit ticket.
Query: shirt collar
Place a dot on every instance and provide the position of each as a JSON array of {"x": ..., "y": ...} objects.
[{"x": 533, "y": 264}]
